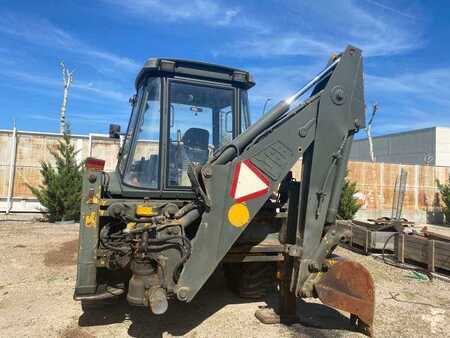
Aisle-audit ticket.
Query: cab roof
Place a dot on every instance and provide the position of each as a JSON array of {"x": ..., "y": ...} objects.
[{"x": 196, "y": 69}]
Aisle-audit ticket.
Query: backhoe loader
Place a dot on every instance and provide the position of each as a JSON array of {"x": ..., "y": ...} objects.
[{"x": 197, "y": 187}]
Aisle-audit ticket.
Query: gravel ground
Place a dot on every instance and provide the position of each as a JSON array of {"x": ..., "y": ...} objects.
[{"x": 37, "y": 275}]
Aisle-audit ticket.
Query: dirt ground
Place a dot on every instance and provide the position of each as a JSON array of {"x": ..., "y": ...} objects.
[{"x": 37, "y": 276}]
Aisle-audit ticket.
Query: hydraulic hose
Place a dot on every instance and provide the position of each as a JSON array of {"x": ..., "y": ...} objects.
[
  {"x": 189, "y": 218},
  {"x": 234, "y": 147},
  {"x": 399, "y": 265}
]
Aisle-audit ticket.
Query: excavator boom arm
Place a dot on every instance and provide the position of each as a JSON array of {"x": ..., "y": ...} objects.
[{"x": 238, "y": 180}]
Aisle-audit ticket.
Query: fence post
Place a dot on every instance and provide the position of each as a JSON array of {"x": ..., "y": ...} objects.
[
  {"x": 12, "y": 169},
  {"x": 430, "y": 255},
  {"x": 401, "y": 248}
]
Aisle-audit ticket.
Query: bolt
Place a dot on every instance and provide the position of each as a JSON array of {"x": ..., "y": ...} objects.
[
  {"x": 302, "y": 132},
  {"x": 338, "y": 95},
  {"x": 182, "y": 293}
]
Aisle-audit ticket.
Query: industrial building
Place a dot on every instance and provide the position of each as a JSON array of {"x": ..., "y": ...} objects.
[{"x": 429, "y": 146}]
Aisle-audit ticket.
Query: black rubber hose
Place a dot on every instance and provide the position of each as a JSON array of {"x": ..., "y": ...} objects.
[
  {"x": 184, "y": 210},
  {"x": 187, "y": 248},
  {"x": 124, "y": 250},
  {"x": 399, "y": 265},
  {"x": 189, "y": 218},
  {"x": 185, "y": 251}
]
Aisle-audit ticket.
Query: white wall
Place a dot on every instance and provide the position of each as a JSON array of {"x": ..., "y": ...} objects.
[
  {"x": 410, "y": 147},
  {"x": 442, "y": 146}
]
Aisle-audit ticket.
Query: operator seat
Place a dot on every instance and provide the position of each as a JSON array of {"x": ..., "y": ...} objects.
[{"x": 195, "y": 142}]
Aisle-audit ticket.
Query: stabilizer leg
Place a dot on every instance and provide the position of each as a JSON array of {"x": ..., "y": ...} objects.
[
  {"x": 287, "y": 302},
  {"x": 286, "y": 313},
  {"x": 346, "y": 286}
]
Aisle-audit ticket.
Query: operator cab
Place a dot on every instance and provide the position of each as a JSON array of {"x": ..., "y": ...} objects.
[{"x": 183, "y": 111}]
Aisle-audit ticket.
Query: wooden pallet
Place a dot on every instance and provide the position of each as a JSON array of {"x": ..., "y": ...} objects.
[
  {"x": 433, "y": 253},
  {"x": 368, "y": 240}
]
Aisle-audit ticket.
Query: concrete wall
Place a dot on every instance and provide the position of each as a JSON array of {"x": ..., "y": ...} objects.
[
  {"x": 412, "y": 147},
  {"x": 33, "y": 148},
  {"x": 375, "y": 181}
]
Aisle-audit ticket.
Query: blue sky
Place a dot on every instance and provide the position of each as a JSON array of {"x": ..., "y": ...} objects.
[{"x": 283, "y": 43}]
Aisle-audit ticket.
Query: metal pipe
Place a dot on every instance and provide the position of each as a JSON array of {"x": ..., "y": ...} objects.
[
  {"x": 240, "y": 142},
  {"x": 91, "y": 136},
  {"x": 90, "y": 145},
  {"x": 12, "y": 167},
  {"x": 311, "y": 83}
]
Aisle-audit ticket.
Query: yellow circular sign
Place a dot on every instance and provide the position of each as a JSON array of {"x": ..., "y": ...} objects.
[{"x": 238, "y": 215}]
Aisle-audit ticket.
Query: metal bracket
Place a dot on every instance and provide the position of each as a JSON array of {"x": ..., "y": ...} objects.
[{"x": 294, "y": 250}]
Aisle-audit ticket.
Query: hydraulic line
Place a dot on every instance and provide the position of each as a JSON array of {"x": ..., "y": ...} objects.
[
  {"x": 400, "y": 265},
  {"x": 234, "y": 147}
]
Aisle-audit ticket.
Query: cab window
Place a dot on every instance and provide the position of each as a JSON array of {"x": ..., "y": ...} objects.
[{"x": 201, "y": 120}]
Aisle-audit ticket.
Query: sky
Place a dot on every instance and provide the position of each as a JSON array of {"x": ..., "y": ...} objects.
[{"x": 282, "y": 43}]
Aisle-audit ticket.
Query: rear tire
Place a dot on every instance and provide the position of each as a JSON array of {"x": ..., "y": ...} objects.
[{"x": 252, "y": 280}]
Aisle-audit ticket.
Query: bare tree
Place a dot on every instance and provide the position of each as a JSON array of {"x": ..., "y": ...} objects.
[
  {"x": 368, "y": 130},
  {"x": 68, "y": 79}
]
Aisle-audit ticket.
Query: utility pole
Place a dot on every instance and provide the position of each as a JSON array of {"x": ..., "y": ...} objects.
[
  {"x": 368, "y": 130},
  {"x": 68, "y": 79}
]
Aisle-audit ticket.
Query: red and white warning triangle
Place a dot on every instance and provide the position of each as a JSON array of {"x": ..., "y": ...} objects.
[{"x": 248, "y": 182}]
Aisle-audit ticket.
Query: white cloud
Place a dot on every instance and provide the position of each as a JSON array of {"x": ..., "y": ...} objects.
[
  {"x": 289, "y": 44},
  {"x": 430, "y": 84},
  {"x": 379, "y": 34},
  {"x": 210, "y": 12},
  {"x": 90, "y": 91},
  {"x": 291, "y": 28},
  {"x": 319, "y": 28},
  {"x": 102, "y": 91},
  {"x": 391, "y": 9},
  {"x": 42, "y": 32},
  {"x": 412, "y": 100}
]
